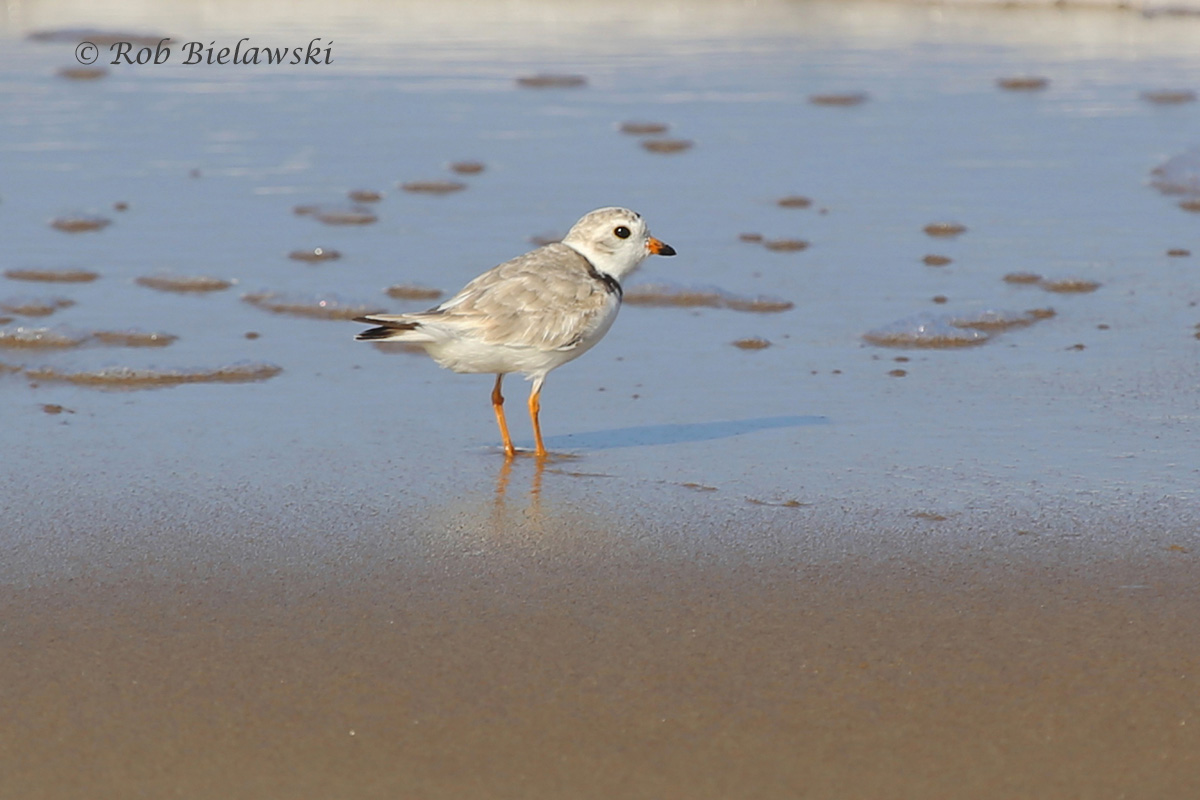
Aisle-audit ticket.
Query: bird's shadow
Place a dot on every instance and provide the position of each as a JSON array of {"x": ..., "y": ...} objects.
[{"x": 675, "y": 433}]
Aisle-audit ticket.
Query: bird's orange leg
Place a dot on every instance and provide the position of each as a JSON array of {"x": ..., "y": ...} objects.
[
  {"x": 498, "y": 407},
  {"x": 535, "y": 406}
]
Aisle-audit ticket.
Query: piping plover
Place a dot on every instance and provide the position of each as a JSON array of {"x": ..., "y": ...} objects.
[{"x": 533, "y": 313}]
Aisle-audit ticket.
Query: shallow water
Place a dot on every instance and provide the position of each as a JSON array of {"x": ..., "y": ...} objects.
[
  {"x": 209, "y": 161},
  {"x": 1070, "y": 436}
]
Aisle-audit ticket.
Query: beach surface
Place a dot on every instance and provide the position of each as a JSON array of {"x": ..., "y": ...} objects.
[{"x": 885, "y": 486}]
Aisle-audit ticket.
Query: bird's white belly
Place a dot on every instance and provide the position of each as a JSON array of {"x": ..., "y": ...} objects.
[{"x": 469, "y": 354}]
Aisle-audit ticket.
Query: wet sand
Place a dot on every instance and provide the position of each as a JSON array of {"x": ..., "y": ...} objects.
[
  {"x": 520, "y": 641},
  {"x": 306, "y": 571},
  {"x": 555, "y": 671}
]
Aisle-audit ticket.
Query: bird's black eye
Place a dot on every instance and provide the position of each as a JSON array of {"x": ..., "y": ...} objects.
[{"x": 621, "y": 231}]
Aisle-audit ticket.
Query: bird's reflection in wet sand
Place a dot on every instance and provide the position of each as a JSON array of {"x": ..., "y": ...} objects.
[
  {"x": 534, "y": 508},
  {"x": 504, "y": 477},
  {"x": 534, "y": 512}
]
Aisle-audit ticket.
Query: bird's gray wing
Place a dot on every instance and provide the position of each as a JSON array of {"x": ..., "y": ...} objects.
[{"x": 549, "y": 299}]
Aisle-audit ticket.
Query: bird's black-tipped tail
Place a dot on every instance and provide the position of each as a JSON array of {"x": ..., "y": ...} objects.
[{"x": 388, "y": 329}]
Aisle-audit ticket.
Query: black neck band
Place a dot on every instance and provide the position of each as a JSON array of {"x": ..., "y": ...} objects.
[{"x": 610, "y": 283}]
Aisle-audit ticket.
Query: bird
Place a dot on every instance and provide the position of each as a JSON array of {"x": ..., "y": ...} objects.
[{"x": 532, "y": 313}]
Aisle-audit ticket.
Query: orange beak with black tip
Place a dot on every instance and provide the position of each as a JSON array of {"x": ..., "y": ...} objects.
[{"x": 659, "y": 248}]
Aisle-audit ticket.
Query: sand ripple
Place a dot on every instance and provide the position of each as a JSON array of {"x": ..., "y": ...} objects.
[
  {"x": 129, "y": 377},
  {"x": 635, "y": 128},
  {"x": 35, "y": 306},
  {"x": 1023, "y": 83},
  {"x": 433, "y": 187},
  {"x": 135, "y": 338},
  {"x": 80, "y": 224},
  {"x": 844, "y": 100},
  {"x": 546, "y": 80},
  {"x": 320, "y": 306},
  {"x": 661, "y": 294},
  {"x": 404, "y": 291},
  {"x": 52, "y": 275},
  {"x": 667, "y": 145},
  {"x": 315, "y": 255},
  {"x": 103, "y": 38},
  {"x": 183, "y": 283}
]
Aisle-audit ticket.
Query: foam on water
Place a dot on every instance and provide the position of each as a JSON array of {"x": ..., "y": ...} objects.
[
  {"x": 926, "y": 330},
  {"x": 41, "y": 338},
  {"x": 929, "y": 330},
  {"x": 1179, "y": 174}
]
